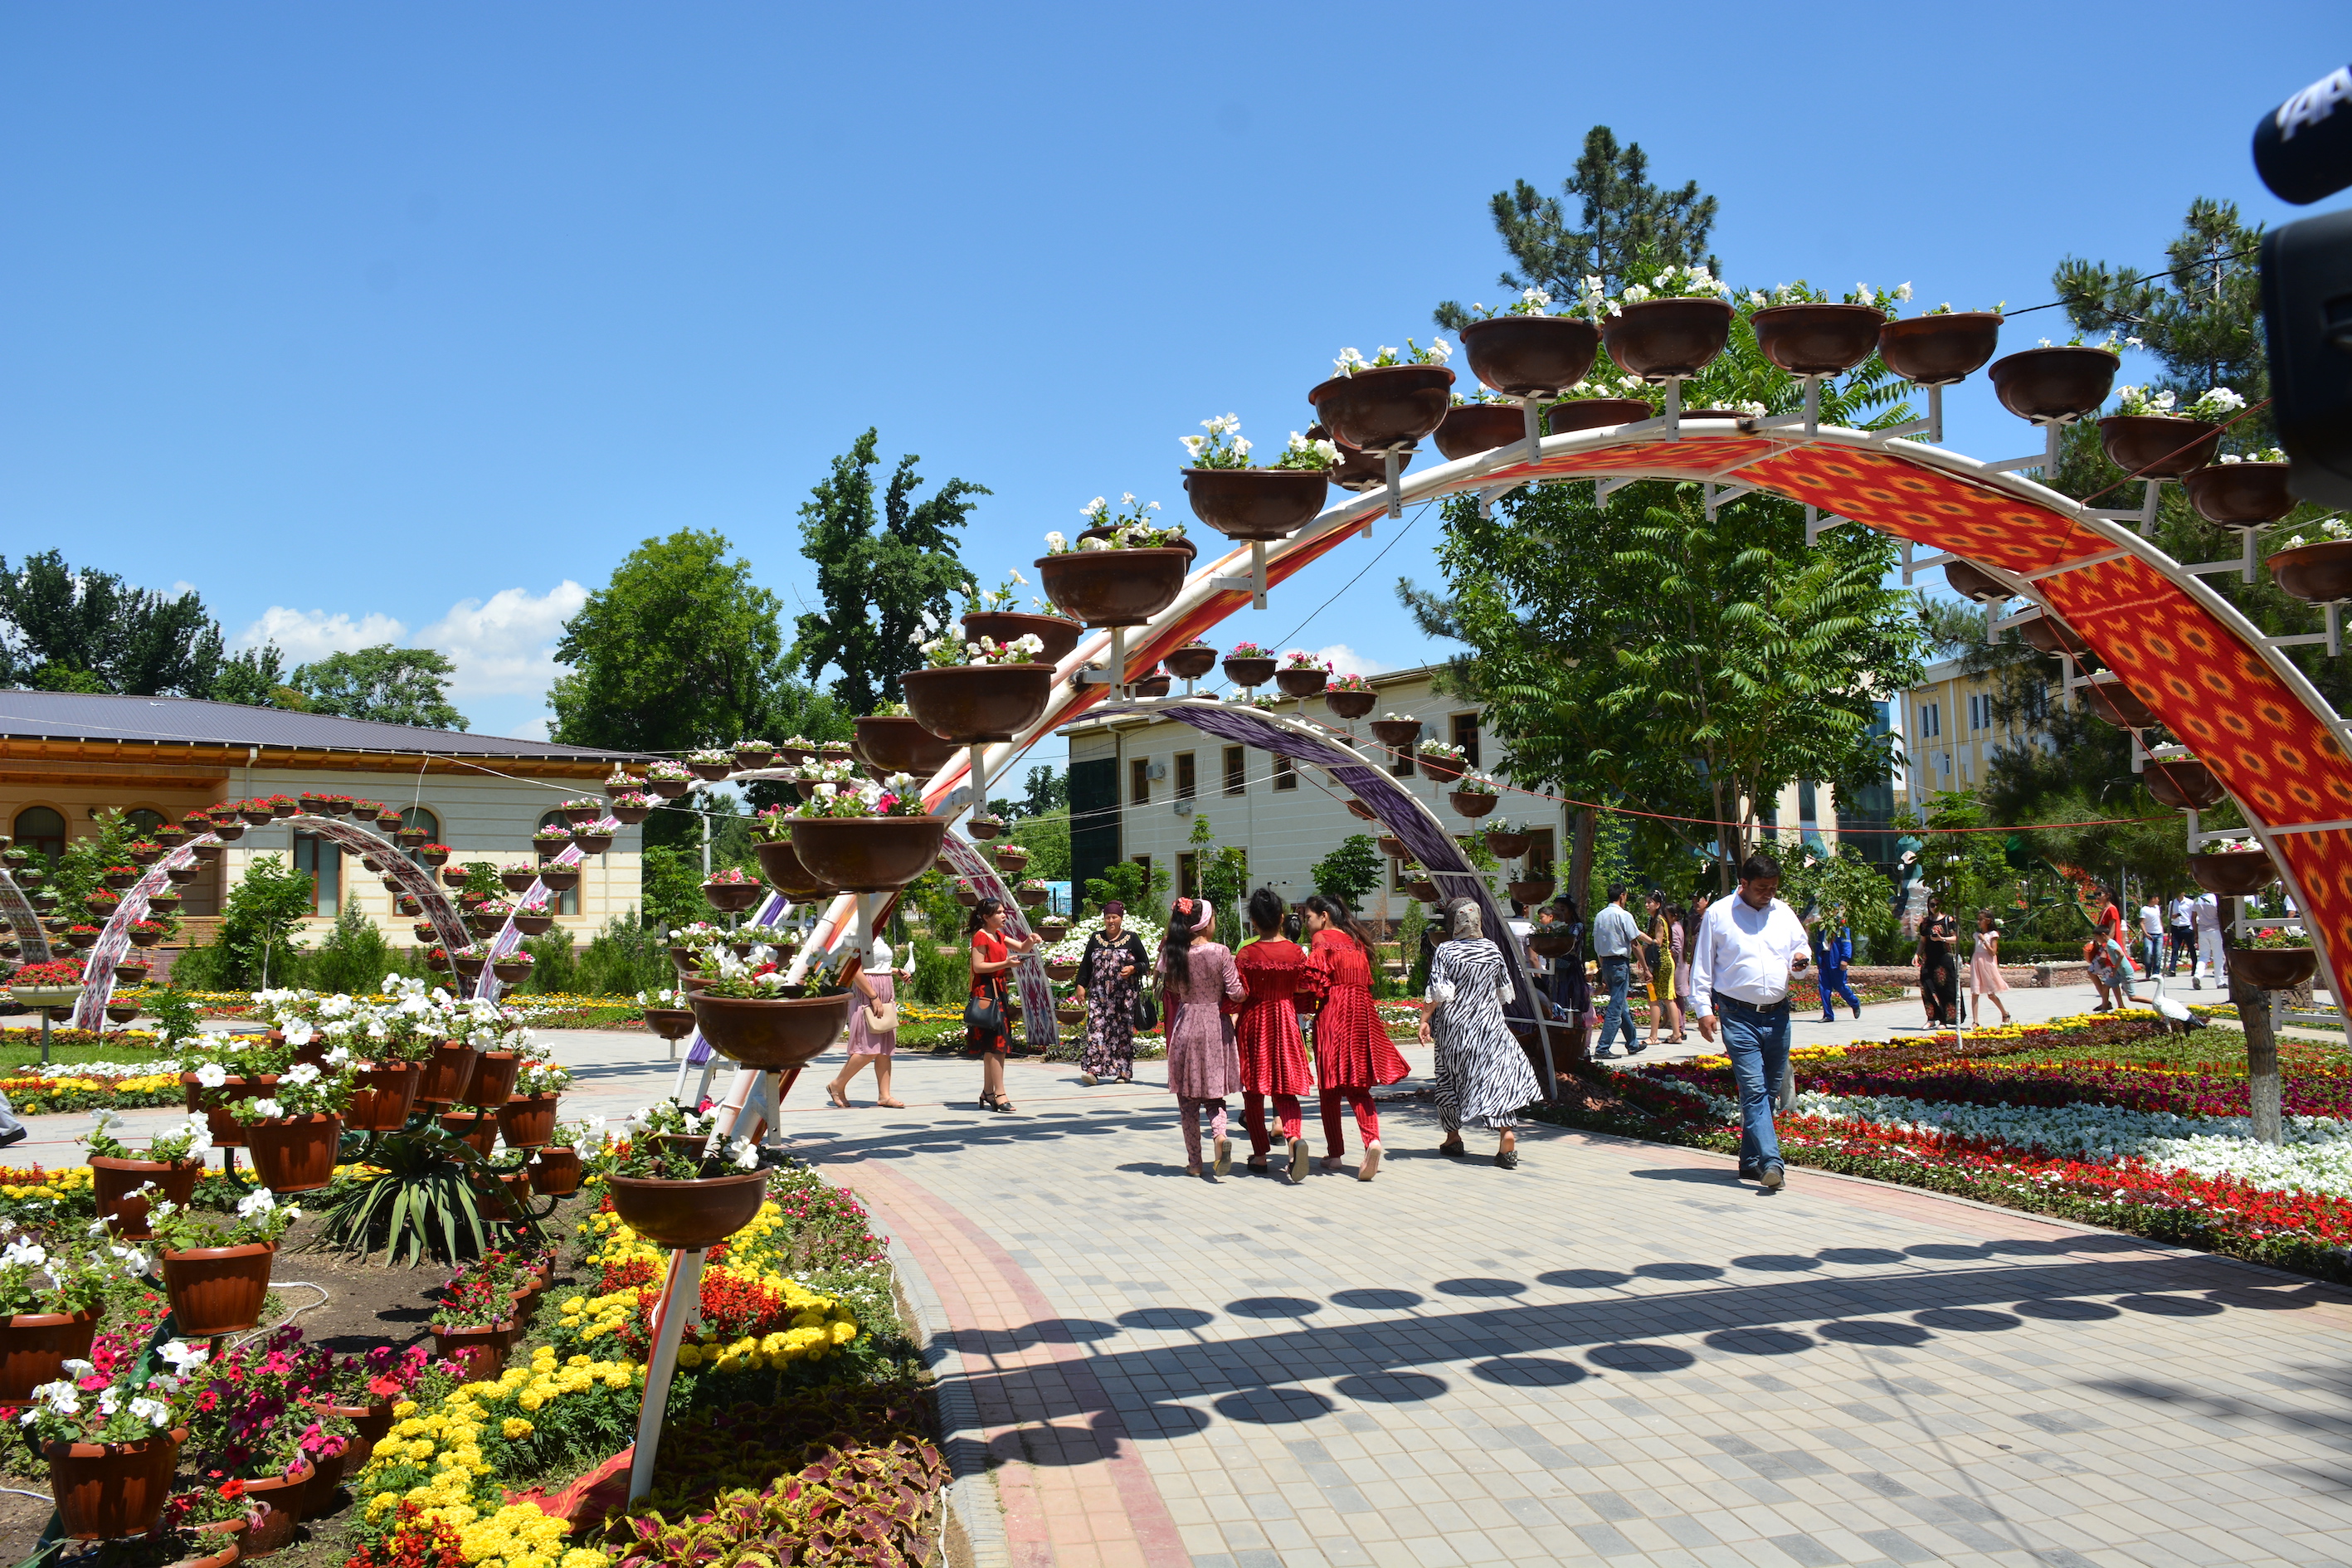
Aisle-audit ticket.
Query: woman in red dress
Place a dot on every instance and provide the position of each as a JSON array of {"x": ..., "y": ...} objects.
[
  {"x": 992, "y": 953},
  {"x": 1273, "y": 1053},
  {"x": 1351, "y": 1050}
]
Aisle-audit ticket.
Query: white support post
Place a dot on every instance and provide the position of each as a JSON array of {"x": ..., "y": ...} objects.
[
  {"x": 1907, "y": 567},
  {"x": 1117, "y": 689},
  {"x": 1257, "y": 581},
  {"x": 1673, "y": 412},
  {"x": 684, "y": 1286},
  {"x": 978, "y": 769},
  {"x": 1532, "y": 411},
  {"x": 1812, "y": 406}
]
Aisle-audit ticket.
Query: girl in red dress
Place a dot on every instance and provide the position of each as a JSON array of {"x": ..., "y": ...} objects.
[
  {"x": 1273, "y": 1053},
  {"x": 992, "y": 953},
  {"x": 1351, "y": 1050}
]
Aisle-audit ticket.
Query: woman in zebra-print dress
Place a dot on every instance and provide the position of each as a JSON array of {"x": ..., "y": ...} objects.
[{"x": 1482, "y": 1077}]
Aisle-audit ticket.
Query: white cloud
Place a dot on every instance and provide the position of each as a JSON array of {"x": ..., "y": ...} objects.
[
  {"x": 1345, "y": 660},
  {"x": 531, "y": 729},
  {"x": 505, "y": 646},
  {"x": 309, "y": 635}
]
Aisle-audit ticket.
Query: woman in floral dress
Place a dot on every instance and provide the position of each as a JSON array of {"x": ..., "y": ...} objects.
[
  {"x": 1111, "y": 977},
  {"x": 1199, "y": 990},
  {"x": 1352, "y": 1049},
  {"x": 1273, "y": 1053}
]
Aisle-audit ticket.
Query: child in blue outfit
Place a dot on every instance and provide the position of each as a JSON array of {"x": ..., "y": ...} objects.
[{"x": 1832, "y": 951}]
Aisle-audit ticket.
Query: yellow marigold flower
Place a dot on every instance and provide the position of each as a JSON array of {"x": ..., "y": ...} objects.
[
  {"x": 689, "y": 1355},
  {"x": 516, "y": 1426},
  {"x": 405, "y": 1407},
  {"x": 844, "y": 1332}
]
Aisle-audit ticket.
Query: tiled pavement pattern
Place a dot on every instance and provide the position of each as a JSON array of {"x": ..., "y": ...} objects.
[{"x": 1615, "y": 1353}]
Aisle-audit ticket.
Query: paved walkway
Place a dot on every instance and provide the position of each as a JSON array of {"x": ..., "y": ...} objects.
[{"x": 1614, "y": 1354}]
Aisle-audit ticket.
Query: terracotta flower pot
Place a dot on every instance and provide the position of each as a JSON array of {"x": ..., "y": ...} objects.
[
  {"x": 668, "y": 789},
  {"x": 113, "y": 1181},
  {"x": 2274, "y": 968},
  {"x": 1061, "y": 969},
  {"x": 2184, "y": 785},
  {"x": 688, "y": 1215},
  {"x": 288, "y": 1496},
  {"x": 1423, "y": 888},
  {"x": 867, "y": 854},
  {"x": 1532, "y": 889},
  {"x": 1394, "y": 847},
  {"x": 2234, "y": 872},
  {"x": 527, "y": 1120},
  {"x": 1552, "y": 943},
  {"x": 372, "y": 1421},
  {"x": 226, "y": 1133},
  {"x": 2316, "y": 573},
  {"x": 295, "y": 1154},
  {"x": 449, "y": 1075},
  {"x": 516, "y": 881},
  {"x": 1249, "y": 672},
  {"x": 1113, "y": 587},
  {"x": 1069, "y": 1014},
  {"x": 1360, "y": 471},
  {"x": 1660, "y": 338},
  {"x": 670, "y": 1023},
  {"x": 1507, "y": 846},
  {"x": 630, "y": 815},
  {"x": 559, "y": 879},
  {"x": 2159, "y": 446},
  {"x": 554, "y": 1171},
  {"x": 1530, "y": 356},
  {"x": 1938, "y": 351},
  {"x": 1469, "y": 804},
  {"x": 216, "y": 1544},
  {"x": 35, "y": 1347},
  {"x": 1155, "y": 685},
  {"x": 1058, "y": 633},
  {"x": 1817, "y": 339},
  {"x": 533, "y": 925},
  {"x": 2119, "y": 706},
  {"x": 1257, "y": 503},
  {"x": 2054, "y": 385},
  {"x": 968, "y": 704},
  {"x": 1395, "y": 405},
  {"x": 106, "y": 1490},
  {"x": 777, "y": 1035},
  {"x": 901, "y": 745},
  {"x": 1444, "y": 770},
  {"x": 1030, "y": 898},
  {"x": 732, "y": 898},
  {"x": 2240, "y": 495},
  {"x": 592, "y": 842},
  {"x": 783, "y": 870},
  {"x": 1396, "y": 732},
  {"x": 218, "y": 1289},
  {"x": 229, "y": 832},
  {"x": 1052, "y": 928},
  {"x": 1470, "y": 428},
  {"x": 478, "y": 1132},
  {"x": 1349, "y": 704},
  {"x": 481, "y": 1349},
  {"x": 1594, "y": 414},
  {"x": 1302, "y": 683},
  {"x": 508, "y": 972}
]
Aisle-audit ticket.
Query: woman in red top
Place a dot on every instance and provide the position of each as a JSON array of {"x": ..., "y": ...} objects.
[
  {"x": 992, "y": 956},
  {"x": 1273, "y": 1053},
  {"x": 1351, "y": 1050}
]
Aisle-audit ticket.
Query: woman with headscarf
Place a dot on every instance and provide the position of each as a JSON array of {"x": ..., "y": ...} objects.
[
  {"x": 1110, "y": 978},
  {"x": 992, "y": 955},
  {"x": 1482, "y": 1077},
  {"x": 873, "y": 1028},
  {"x": 1352, "y": 1051},
  {"x": 1198, "y": 989},
  {"x": 1273, "y": 1053}
]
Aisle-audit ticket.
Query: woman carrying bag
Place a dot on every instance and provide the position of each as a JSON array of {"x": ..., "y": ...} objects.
[
  {"x": 873, "y": 1029},
  {"x": 1202, "y": 988},
  {"x": 992, "y": 953},
  {"x": 1110, "y": 981}
]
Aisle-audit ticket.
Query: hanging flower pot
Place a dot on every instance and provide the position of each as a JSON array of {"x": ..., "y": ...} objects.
[
  {"x": 2053, "y": 635},
  {"x": 2159, "y": 446},
  {"x": 559, "y": 879},
  {"x": 1254, "y": 503},
  {"x": 629, "y": 809},
  {"x": 781, "y": 866},
  {"x": 2274, "y": 968},
  {"x": 967, "y": 895},
  {"x": 481, "y": 1349},
  {"x": 970, "y": 703},
  {"x": 1152, "y": 684},
  {"x": 2240, "y": 495},
  {"x": 1058, "y": 633},
  {"x": 1471, "y": 802},
  {"x": 2233, "y": 872},
  {"x": 592, "y": 840},
  {"x": 1396, "y": 734},
  {"x": 898, "y": 743},
  {"x": 1817, "y": 339},
  {"x": 1348, "y": 703},
  {"x": 1444, "y": 767},
  {"x": 1529, "y": 356},
  {"x": 1940, "y": 349},
  {"x": 469, "y": 964},
  {"x": 130, "y": 974},
  {"x": 1470, "y": 428},
  {"x": 35, "y": 1346},
  {"x": 2054, "y": 385},
  {"x": 1061, "y": 971},
  {"x": 1531, "y": 890},
  {"x": 181, "y": 876},
  {"x": 1384, "y": 407},
  {"x": 1052, "y": 928},
  {"x": 1069, "y": 1014},
  {"x": 776, "y": 1035},
  {"x": 218, "y": 1289},
  {"x": 295, "y": 1154},
  {"x": 731, "y": 897},
  {"x": 225, "y": 1131},
  {"x": 114, "y": 1182},
  {"x": 1030, "y": 898},
  {"x": 1358, "y": 471},
  {"x": 1112, "y": 587},
  {"x": 1423, "y": 888},
  {"x": 1504, "y": 846},
  {"x": 108, "y": 1490},
  {"x": 554, "y": 1171},
  {"x": 1302, "y": 682},
  {"x": 478, "y": 1130},
  {"x": 1655, "y": 339},
  {"x": 229, "y": 831},
  {"x": 1192, "y": 661},
  {"x": 512, "y": 968},
  {"x": 1249, "y": 669},
  {"x": 448, "y": 1076},
  {"x": 1595, "y": 414},
  {"x": 2119, "y": 706},
  {"x": 867, "y": 854},
  {"x": 2183, "y": 784},
  {"x": 533, "y": 922},
  {"x": 527, "y": 1120},
  {"x": 384, "y": 1095},
  {"x": 2316, "y": 573},
  {"x": 687, "y": 1215}
]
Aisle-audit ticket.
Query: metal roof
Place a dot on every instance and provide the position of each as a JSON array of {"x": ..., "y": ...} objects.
[{"x": 184, "y": 721}]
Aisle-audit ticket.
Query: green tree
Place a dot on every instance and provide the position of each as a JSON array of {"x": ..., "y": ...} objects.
[
  {"x": 1843, "y": 887},
  {"x": 386, "y": 684},
  {"x": 880, "y": 589},
  {"x": 1143, "y": 892},
  {"x": 2202, "y": 319},
  {"x": 65, "y": 628},
  {"x": 258, "y": 928},
  {"x": 1220, "y": 872},
  {"x": 1046, "y": 790},
  {"x": 1048, "y": 839},
  {"x": 354, "y": 956},
  {"x": 1622, "y": 217},
  {"x": 1966, "y": 871},
  {"x": 257, "y": 678},
  {"x": 1350, "y": 871}
]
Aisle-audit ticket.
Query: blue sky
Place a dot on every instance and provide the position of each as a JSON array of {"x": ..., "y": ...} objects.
[{"x": 408, "y": 322}]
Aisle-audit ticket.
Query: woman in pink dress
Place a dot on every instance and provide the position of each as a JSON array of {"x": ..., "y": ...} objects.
[
  {"x": 1198, "y": 992},
  {"x": 874, "y": 995}
]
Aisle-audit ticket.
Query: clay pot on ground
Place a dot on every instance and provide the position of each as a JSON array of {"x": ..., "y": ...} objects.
[
  {"x": 978, "y": 703},
  {"x": 2316, "y": 573},
  {"x": 1938, "y": 351},
  {"x": 218, "y": 1289},
  {"x": 1058, "y": 633},
  {"x": 1530, "y": 356},
  {"x": 2240, "y": 495},
  {"x": 481, "y": 1349},
  {"x": 1302, "y": 683},
  {"x": 2274, "y": 968},
  {"x": 867, "y": 854},
  {"x": 2184, "y": 785},
  {"x": 494, "y": 1078},
  {"x": 1250, "y": 672},
  {"x": 295, "y": 1154},
  {"x": 527, "y": 1120},
  {"x": 1595, "y": 414},
  {"x": 1257, "y": 503},
  {"x": 107, "y": 1491},
  {"x": 1394, "y": 406},
  {"x": 901, "y": 746},
  {"x": 1470, "y": 428},
  {"x": 35, "y": 1347},
  {"x": 1507, "y": 846},
  {"x": 688, "y": 1215},
  {"x": 479, "y": 1131},
  {"x": 1470, "y": 805},
  {"x": 1531, "y": 890},
  {"x": 1114, "y": 588},
  {"x": 2233, "y": 872},
  {"x": 1660, "y": 338},
  {"x": 2159, "y": 446},
  {"x": 226, "y": 1133},
  {"x": 288, "y": 1496},
  {"x": 777, "y": 1035},
  {"x": 1817, "y": 339},
  {"x": 554, "y": 1173},
  {"x": 2054, "y": 385},
  {"x": 449, "y": 1075},
  {"x": 383, "y": 1097}
]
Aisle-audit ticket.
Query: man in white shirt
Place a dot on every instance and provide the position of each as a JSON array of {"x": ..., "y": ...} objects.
[
  {"x": 2151, "y": 936},
  {"x": 1614, "y": 934},
  {"x": 2205, "y": 914},
  {"x": 2184, "y": 940},
  {"x": 1746, "y": 951}
]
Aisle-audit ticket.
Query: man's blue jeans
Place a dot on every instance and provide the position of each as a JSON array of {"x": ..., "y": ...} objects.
[
  {"x": 1758, "y": 1043},
  {"x": 2151, "y": 953},
  {"x": 1616, "y": 974}
]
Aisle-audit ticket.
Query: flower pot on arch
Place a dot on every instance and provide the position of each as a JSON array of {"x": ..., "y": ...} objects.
[
  {"x": 2233, "y": 872},
  {"x": 900, "y": 744},
  {"x": 1660, "y": 339},
  {"x": 1386, "y": 406},
  {"x": 1058, "y": 633},
  {"x": 1113, "y": 587},
  {"x": 2054, "y": 386},
  {"x": 2274, "y": 968},
  {"x": 867, "y": 854},
  {"x": 774, "y": 1034},
  {"x": 1531, "y": 356},
  {"x": 975, "y": 703},
  {"x": 1470, "y": 428},
  {"x": 1940, "y": 350},
  {"x": 1263, "y": 504}
]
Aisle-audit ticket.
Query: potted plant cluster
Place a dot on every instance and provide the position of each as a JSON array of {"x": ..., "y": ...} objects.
[
  {"x": 215, "y": 1268},
  {"x": 1302, "y": 674},
  {"x": 710, "y": 763},
  {"x": 2274, "y": 959},
  {"x": 2242, "y": 489},
  {"x": 2314, "y": 563},
  {"x": 174, "y": 1158},
  {"x": 674, "y": 1203},
  {"x": 53, "y": 1303},
  {"x": 1474, "y": 795},
  {"x": 760, "y": 1015},
  {"x": 1389, "y": 401},
  {"x": 293, "y": 1130},
  {"x": 1246, "y": 502},
  {"x": 866, "y": 837},
  {"x": 527, "y": 1119},
  {"x": 2233, "y": 866},
  {"x": 976, "y": 691},
  {"x": 1248, "y": 666},
  {"x": 990, "y": 615},
  {"x": 667, "y": 779},
  {"x": 1441, "y": 759},
  {"x": 730, "y": 889},
  {"x": 2148, "y": 437},
  {"x": 112, "y": 1440},
  {"x": 55, "y": 984},
  {"x": 1124, "y": 568}
]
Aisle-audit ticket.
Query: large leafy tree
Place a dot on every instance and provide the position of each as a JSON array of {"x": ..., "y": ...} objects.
[
  {"x": 387, "y": 684},
  {"x": 75, "y": 629},
  {"x": 883, "y": 578},
  {"x": 1621, "y": 216}
]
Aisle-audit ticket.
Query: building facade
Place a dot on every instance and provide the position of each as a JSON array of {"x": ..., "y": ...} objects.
[
  {"x": 64, "y": 757},
  {"x": 1950, "y": 731}
]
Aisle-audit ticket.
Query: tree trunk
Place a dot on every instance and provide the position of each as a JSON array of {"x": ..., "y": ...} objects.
[
  {"x": 1584, "y": 823},
  {"x": 2253, "y": 1004}
]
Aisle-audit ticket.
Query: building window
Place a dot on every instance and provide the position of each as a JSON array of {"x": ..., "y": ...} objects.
[
  {"x": 567, "y": 902},
  {"x": 1285, "y": 774},
  {"x": 1465, "y": 735},
  {"x": 1145, "y": 861},
  {"x": 1403, "y": 767},
  {"x": 323, "y": 860},
  {"x": 1186, "y": 782},
  {"x": 1808, "y": 802},
  {"x": 1139, "y": 783},
  {"x": 42, "y": 830},
  {"x": 1237, "y": 768},
  {"x": 143, "y": 821},
  {"x": 1188, "y": 870},
  {"x": 1931, "y": 721},
  {"x": 1539, "y": 856}
]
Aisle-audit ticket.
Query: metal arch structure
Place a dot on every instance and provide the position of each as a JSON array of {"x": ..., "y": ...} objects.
[
  {"x": 487, "y": 985},
  {"x": 114, "y": 940},
  {"x": 24, "y": 920}
]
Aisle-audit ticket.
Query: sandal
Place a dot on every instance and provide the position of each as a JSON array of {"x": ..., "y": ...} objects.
[
  {"x": 834, "y": 1095},
  {"x": 1453, "y": 1148}
]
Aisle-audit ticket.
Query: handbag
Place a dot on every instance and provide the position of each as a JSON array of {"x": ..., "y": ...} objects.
[
  {"x": 1147, "y": 1011},
  {"x": 982, "y": 1015},
  {"x": 882, "y": 1017}
]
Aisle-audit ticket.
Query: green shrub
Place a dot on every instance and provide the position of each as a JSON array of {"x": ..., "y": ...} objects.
[
  {"x": 625, "y": 958},
  {"x": 354, "y": 958},
  {"x": 553, "y": 968}
]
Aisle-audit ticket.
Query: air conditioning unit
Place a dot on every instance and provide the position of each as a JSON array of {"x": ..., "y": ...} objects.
[
  {"x": 1183, "y": 808},
  {"x": 1155, "y": 770}
]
